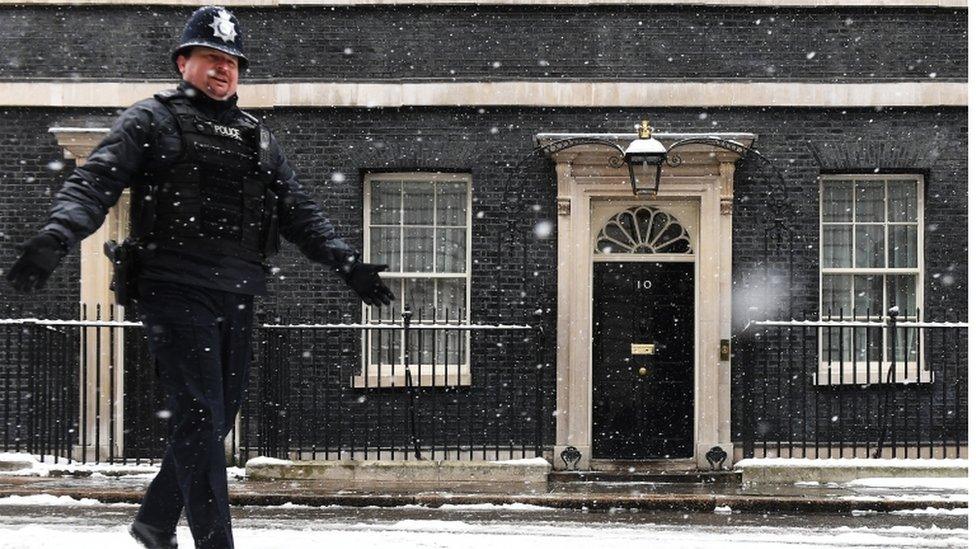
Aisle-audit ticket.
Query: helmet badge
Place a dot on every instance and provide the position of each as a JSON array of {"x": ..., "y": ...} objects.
[{"x": 223, "y": 27}]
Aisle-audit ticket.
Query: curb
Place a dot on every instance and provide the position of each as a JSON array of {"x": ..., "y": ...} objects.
[{"x": 648, "y": 502}]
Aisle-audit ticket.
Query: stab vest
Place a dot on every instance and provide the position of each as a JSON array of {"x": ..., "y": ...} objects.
[{"x": 215, "y": 198}]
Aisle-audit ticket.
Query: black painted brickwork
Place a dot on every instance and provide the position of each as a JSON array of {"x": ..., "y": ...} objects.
[
  {"x": 502, "y": 43},
  {"x": 31, "y": 171},
  {"x": 325, "y": 142}
]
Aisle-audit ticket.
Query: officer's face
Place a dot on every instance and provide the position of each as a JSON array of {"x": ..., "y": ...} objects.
[{"x": 212, "y": 71}]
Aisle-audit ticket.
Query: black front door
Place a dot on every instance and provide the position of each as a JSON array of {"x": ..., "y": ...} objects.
[{"x": 643, "y": 360}]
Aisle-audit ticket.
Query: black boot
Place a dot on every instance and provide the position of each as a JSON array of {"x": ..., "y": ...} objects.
[{"x": 151, "y": 537}]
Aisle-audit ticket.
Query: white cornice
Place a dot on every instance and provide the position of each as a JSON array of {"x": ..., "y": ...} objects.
[
  {"x": 954, "y": 4},
  {"x": 743, "y": 138},
  {"x": 529, "y": 94}
]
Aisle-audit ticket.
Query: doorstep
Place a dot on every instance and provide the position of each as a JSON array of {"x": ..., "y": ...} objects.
[{"x": 717, "y": 478}]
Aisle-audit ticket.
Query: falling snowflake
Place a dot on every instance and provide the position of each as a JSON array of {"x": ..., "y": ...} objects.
[{"x": 542, "y": 229}]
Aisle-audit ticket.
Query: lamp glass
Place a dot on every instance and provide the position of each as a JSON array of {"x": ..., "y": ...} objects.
[{"x": 645, "y": 175}]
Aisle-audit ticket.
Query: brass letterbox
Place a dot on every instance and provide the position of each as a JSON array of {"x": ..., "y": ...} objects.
[{"x": 642, "y": 348}]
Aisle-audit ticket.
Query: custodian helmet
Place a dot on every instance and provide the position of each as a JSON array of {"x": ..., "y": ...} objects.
[{"x": 213, "y": 27}]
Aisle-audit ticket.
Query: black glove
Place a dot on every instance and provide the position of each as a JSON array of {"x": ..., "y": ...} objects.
[
  {"x": 39, "y": 257},
  {"x": 364, "y": 279}
]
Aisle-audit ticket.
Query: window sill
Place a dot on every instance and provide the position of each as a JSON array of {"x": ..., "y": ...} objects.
[
  {"x": 394, "y": 377},
  {"x": 868, "y": 374}
]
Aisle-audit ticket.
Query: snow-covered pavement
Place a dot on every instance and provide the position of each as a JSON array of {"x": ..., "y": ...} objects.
[{"x": 49, "y": 524}]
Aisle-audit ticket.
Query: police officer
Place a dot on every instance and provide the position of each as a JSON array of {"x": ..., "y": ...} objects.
[{"x": 211, "y": 191}]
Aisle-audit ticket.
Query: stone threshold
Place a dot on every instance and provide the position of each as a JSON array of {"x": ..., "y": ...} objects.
[{"x": 724, "y": 478}]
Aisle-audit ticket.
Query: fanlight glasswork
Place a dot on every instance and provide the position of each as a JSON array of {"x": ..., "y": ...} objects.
[{"x": 643, "y": 230}]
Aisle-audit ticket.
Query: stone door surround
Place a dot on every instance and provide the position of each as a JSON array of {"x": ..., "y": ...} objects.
[{"x": 699, "y": 192}]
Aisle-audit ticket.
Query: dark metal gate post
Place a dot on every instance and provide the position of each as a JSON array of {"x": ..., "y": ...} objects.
[
  {"x": 538, "y": 389},
  {"x": 888, "y": 386},
  {"x": 747, "y": 343},
  {"x": 411, "y": 394}
]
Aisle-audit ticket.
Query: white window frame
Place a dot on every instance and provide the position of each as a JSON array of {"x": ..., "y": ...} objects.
[
  {"x": 861, "y": 372},
  {"x": 424, "y": 375}
]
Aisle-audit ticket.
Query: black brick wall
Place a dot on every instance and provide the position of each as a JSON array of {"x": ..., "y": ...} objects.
[
  {"x": 331, "y": 148},
  {"x": 325, "y": 142},
  {"x": 802, "y": 142},
  {"x": 31, "y": 171},
  {"x": 503, "y": 42}
]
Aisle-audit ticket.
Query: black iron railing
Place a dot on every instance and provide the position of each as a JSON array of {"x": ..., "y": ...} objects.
[
  {"x": 86, "y": 390},
  {"x": 419, "y": 389},
  {"x": 62, "y": 389},
  {"x": 416, "y": 389},
  {"x": 860, "y": 386}
]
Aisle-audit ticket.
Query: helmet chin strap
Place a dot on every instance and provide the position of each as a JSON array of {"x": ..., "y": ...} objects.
[
  {"x": 219, "y": 98},
  {"x": 206, "y": 89}
]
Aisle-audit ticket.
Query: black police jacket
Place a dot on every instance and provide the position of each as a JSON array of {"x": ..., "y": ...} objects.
[{"x": 143, "y": 139}]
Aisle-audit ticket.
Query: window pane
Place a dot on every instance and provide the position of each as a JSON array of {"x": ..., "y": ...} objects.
[
  {"x": 418, "y": 203},
  {"x": 870, "y": 201},
  {"x": 384, "y": 246},
  {"x": 837, "y": 201},
  {"x": 451, "y": 248},
  {"x": 384, "y": 348},
  {"x": 906, "y": 349},
  {"x": 419, "y": 296},
  {"x": 836, "y": 295},
  {"x": 837, "y": 246},
  {"x": 868, "y": 344},
  {"x": 837, "y": 349},
  {"x": 385, "y": 344},
  {"x": 418, "y": 250},
  {"x": 868, "y": 297},
  {"x": 902, "y": 201},
  {"x": 451, "y": 302},
  {"x": 385, "y": 202},
  {"x": 901, "y": 294},
  {"x": 869, "y": 245},
  {"x": 452, "y": 204},
  {"x": 902, "y": 245},
  {"x": 450, "y": 308}
]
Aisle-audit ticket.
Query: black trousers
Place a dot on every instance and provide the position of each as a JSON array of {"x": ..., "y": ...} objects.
[{"x": 201, "y": 342}]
